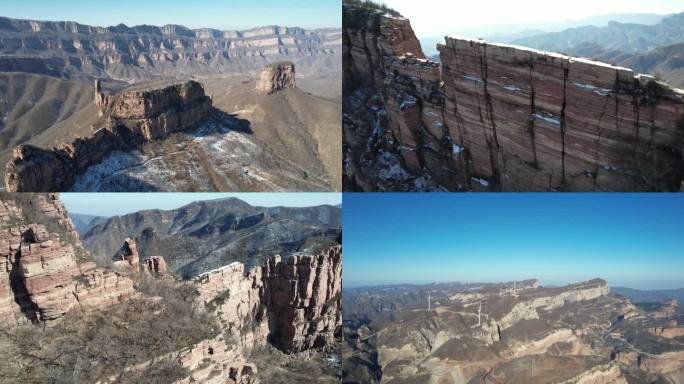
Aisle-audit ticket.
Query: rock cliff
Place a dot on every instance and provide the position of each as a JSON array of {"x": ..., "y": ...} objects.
[
  {"x": 132, "y": 117},
  {"x": 42, "y": 277},
  {"x": 502, "y": 118},
  {"x": 277, "y": 76},
  {"x": 73, "y": 50},
  {"x": 293, "y": 304}
]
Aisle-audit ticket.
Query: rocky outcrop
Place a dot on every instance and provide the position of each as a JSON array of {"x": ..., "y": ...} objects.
[
  {"x": 155, "y": 266},
  {"x": 603, "y": 374},
  {"x": 277, "y": 76},
  {"x": 127, "y": 258},
  {"x": 42, "y": 278},
  {"x": 293, "y": 304},
  {"x": 667, "y": 310},
  {"x": 303, "y": 294},
  {"x": 668, "y": 332},
  {"x": 493, "y": 117},
  {"x": 132, "y": 117}
]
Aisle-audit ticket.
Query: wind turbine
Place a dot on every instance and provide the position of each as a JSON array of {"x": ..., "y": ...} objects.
[
  {"x": 479, "y": 313},
  {"x": 428, "y": 301},
  {"x": 515, "y": 290}
]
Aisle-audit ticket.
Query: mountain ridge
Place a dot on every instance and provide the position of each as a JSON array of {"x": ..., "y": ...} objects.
[{"x": 204, "y": 235}]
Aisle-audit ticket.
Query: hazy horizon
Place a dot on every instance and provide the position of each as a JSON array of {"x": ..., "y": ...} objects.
[
  {"x": 112, "y": 204},
  {"x": 216, "y": 14},
  {"x": 436, "y": 18},
  {"x": 630, "y": 240}
]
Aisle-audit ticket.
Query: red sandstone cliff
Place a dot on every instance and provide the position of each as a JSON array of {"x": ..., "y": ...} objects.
[
  {"x": 497, "y": 117},
  {"x": 42, "y": 277},
  {"x": 293, "y": 304}
]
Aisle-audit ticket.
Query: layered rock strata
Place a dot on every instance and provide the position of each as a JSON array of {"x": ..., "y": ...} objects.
[
  {"x": 276, "y": 77},
  {"x": 293, "y": 304},
  {"x": 69, "y": 49},
  {"x": 132, "y": 117},
  {"x": 42, "y": 278},
  {"x": 504, "y": 118}
]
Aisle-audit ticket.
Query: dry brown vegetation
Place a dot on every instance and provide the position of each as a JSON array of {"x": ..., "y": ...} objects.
[{"x": 87, "y": 347}]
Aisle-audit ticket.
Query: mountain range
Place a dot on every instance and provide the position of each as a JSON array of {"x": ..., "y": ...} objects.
[{"x": 204, "y": 235}]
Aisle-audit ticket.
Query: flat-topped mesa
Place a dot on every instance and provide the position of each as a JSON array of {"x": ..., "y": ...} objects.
[
  {"x": 525, "y": 305},
  {"x": 277, "y": 76},
  {"x": 294, "y": 304},
  {"x": 132, "y": 117}
]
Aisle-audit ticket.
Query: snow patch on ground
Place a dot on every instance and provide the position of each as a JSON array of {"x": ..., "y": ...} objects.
[{"x": 480, "y": 181}]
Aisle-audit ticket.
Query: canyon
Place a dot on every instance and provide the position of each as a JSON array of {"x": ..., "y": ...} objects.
[
  {"x": 495, "y": 117},
  {"x": 143, "y": 53},
  {"x": 174, "y": 109},
  {"x": 515, "y": 332},
  {"x": 225, "y": 321}
]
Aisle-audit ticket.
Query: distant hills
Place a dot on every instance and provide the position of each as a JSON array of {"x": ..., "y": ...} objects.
[
  {"x": 208, "y": 234},
  {"x": 628, "y": 37},
  {"x": 649, "y": 296},
  {"x": 512, "y": 32},
  {"x": 647, "y": 43},
  {"x": 83, "y": 222}
]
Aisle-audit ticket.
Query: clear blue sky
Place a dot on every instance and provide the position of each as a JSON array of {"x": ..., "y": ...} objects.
[
  {"x": 220, "y": 14},
  {"x": 110, "y": 204},
  {"x": 630, "y": 240}
]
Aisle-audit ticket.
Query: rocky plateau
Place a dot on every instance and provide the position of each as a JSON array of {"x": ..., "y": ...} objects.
[{"x": 517, "y": 332}]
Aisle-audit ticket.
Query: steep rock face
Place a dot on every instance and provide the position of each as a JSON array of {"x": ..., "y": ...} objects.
[
  {"x": 498, "y": 117},
  {"x": 276, "y": 76},
  {"x": 75, "y": 50},
  {"x": 369, "y": 38},
  {"x": 155, "y": 266},
  {"x": 132, "y": 117},
  {"x": 304, "y": 294},
  {"x": 530, "y": 120},
  {"x": 127, "y": 258},
  {"x": 293, "y": 304},
  {"x": 42, "y": 279}
]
